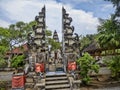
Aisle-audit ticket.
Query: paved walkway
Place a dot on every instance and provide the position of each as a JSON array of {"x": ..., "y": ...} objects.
[
  {"x": 105, "y": 88},
  {"x": 6, "y": 76},
  {"x": 109, "y": 88}
]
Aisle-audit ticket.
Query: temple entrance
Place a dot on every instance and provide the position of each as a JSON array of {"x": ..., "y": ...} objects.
[{"x": 55, "y": 62}]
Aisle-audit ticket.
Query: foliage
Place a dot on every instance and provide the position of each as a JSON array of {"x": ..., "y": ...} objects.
[
  {"x": 48, "y": 33},
  {"x": 4, "y": 33},
  {"x": 19, "y": 32},
  {"x": 3, "y": 50},
  {"x": 14, "y": 35},
  {"x": 3, "y": 63},
  {"x": 116, "y": 4},
  {"x": 17, "y": 61},
  {"x": 54, "y": 45},
  {"x": 48, "y": 36},
  {"x": 87, "y": 64},
  {"x": 108, "y": 32},
  {"x": 114, "y": 66},
  {"x": 50, "y": 41},
  {"x": 86, "y": 40}
]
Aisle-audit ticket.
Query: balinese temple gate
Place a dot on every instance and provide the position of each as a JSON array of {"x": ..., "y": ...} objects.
[
  {"x": 70, "y": 43},
  {"x": 50, "y": 69},
  {"x": 51, "y": 61}
]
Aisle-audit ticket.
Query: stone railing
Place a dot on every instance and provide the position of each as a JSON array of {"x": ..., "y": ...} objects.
[
  {"x": 74, "y": 84},
  {"x": 7, "y": 69}
]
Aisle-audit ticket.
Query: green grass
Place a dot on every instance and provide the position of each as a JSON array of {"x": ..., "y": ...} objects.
[{"x": 2, "y": 88}]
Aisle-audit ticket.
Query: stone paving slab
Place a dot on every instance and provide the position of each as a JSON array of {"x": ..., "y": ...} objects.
[
  {"x": 55, "y": 73},
  {"x": 109, "y": 88},
  {"x": 6, "y": 76}
]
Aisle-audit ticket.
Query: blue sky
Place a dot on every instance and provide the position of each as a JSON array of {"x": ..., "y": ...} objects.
[{"x": 85, "y": 13}]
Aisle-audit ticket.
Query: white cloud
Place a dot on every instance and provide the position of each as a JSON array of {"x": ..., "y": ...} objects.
[
  {"x": 26, "y": 10},
  {"x": 4, "y": 24},
  {"x": 107, "y": 7},
  {"x": 20, "y": 10},
  {"x": 84, "y": 22},
  {"x": 76, "y": 1}
]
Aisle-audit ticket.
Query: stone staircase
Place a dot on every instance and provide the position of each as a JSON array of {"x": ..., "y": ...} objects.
[
  {"x": 57, "y": 82},
  {"x": 30, "y": 80}
]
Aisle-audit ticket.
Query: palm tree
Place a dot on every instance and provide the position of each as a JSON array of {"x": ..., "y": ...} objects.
[
  {"x": 116, "y": 4},
  {"x": 108, "y": 34}
]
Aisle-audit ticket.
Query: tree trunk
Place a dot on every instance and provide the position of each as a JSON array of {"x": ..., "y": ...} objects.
[{"x": 10, "y": 56}]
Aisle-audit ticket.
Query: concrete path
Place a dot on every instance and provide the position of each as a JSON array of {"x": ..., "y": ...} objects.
[{"x": 109, "y": 88}]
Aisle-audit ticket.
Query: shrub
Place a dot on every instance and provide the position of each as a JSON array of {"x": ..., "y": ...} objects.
[
  {"x": 3, "y": 63},
  {"x": 17, "y": 61},
  {"x": 87, "y": 64},
  {"x": 114, "y": 65}
]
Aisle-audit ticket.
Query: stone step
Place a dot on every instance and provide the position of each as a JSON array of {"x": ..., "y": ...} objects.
[
  {"x": 29, "y": 80},
  {"x": 30, "y": 85},
  {"x": 57, "y": 82},
  {"x": 56, "y": 75},
  {"x": 61, "y": 86},
  {"x": 56, "y": 78},
  {"x": 62, "y": 89},
  {"x": 30, "y": 75}
]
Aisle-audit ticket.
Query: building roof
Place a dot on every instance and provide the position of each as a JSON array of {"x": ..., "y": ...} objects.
[
  {"x": 19, "y": 50},
  {"x": 94, "y": 46}
]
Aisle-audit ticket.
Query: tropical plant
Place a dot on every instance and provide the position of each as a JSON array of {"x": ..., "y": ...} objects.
[
  {"x": 16, "y": 34},
  {"x": 116, "y": 4},
  {"x": 108, "y": 34},
  {"x": 3, "y": 63},
  {"x": 4, "y": 34},
  {"x": 114, "y": 65},
  {"x": 19, "y": 32},
  {"x": 86, "y": 40},
  {"x": 48, "y": 33},
  {"x": 54, "y": 45},
  {"x": 87, "y": 64},
  {"x": 17, "y": 61}
]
